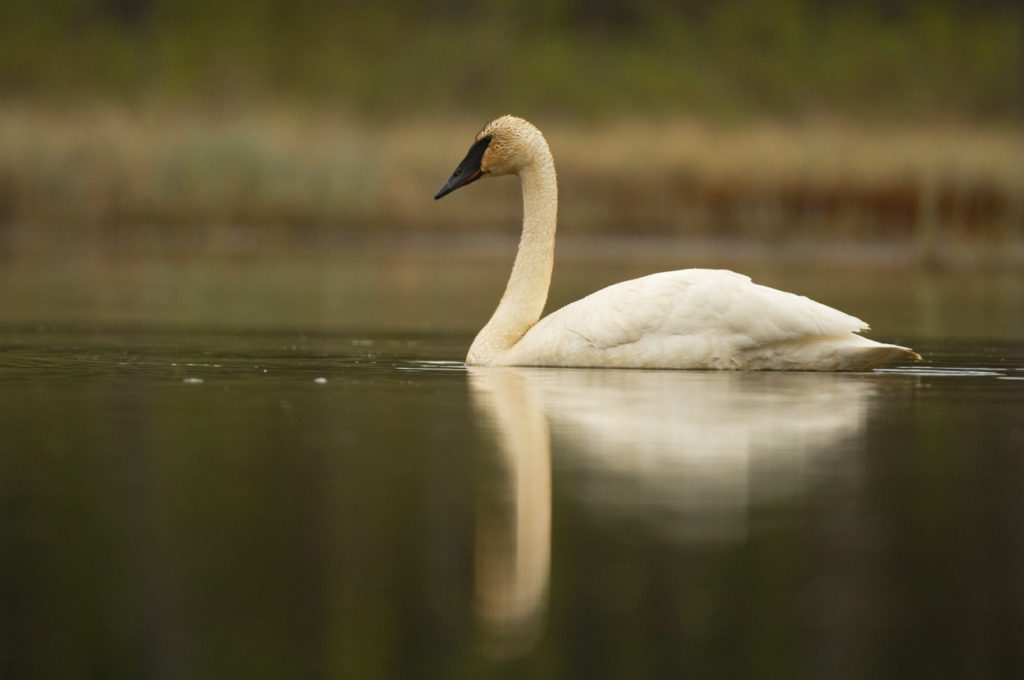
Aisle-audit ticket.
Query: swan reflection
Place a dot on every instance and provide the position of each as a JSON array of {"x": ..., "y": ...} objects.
[{"x": 687, "y": 453}]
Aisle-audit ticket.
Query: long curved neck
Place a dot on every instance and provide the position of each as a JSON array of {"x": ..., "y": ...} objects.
[{"x": 527, "y": 290}]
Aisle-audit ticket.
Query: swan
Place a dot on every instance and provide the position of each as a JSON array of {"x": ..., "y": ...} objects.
[{"x": 685, "y": 319}]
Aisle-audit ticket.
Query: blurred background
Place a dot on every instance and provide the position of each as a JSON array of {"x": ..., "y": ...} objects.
[
  {"x": 308, "y": 122},
  {"x": 239, "y": 439}
]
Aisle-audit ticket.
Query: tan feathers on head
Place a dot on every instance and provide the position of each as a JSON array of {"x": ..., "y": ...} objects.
[{"x": 512, "y": 146}]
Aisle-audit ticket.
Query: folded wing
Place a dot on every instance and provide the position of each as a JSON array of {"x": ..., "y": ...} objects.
[{"x": 692, "y": 318}]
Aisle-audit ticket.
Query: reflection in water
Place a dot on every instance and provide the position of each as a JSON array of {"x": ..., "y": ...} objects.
[
  {"x": 513, "y": 555},
  {"x": 697, "y": 448}
]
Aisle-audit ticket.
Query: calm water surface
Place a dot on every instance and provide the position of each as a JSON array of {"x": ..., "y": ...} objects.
[{"x": 238, "y": 500}]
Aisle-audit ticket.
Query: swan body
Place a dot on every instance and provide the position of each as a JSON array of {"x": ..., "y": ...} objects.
[{"x": 687, "y": 319}]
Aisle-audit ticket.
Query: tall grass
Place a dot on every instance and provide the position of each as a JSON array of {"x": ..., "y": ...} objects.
[{"x": 100, "y": 172}]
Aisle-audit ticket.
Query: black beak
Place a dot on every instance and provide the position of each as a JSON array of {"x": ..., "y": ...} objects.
[{"x": 468, "y": 171}]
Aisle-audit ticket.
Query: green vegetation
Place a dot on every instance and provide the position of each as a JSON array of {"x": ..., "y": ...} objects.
[{"x": 945, "y": 59}]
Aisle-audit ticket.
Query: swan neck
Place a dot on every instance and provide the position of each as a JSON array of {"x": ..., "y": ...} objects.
[{"x": 527, "y": 290}]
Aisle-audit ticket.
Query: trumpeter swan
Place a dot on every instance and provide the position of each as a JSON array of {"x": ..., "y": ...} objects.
[{"x": 691, "y": 318}]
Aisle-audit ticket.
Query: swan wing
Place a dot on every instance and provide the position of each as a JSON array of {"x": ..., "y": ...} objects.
[{"x": 692, "y": 318}]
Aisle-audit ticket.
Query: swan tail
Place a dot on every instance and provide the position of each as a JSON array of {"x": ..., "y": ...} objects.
[
  {"x": 878, "y": 354},
  {"x": 845, "y": 353}
]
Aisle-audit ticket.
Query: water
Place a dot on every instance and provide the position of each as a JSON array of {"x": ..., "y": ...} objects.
[{"x": 202, "y": 492}]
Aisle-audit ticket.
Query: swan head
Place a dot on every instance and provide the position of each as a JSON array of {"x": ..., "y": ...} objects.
[{"x": 505, "y": 146}]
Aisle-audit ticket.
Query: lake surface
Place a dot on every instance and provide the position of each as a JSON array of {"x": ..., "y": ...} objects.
[{"x": 258, "y": 468}]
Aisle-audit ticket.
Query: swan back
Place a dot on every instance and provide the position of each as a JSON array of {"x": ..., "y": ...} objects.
[{"x": 700, "y": 318}]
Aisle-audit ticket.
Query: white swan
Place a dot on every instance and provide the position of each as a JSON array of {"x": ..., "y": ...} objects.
[{"x": 691, "y": 318}]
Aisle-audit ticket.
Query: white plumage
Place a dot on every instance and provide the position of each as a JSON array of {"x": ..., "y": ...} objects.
[
  {"x": 691, "y": 318},
  {"x": 698, "y": 318}
]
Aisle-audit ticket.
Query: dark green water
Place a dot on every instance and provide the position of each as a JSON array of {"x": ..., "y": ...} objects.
[{"x": 202, "y": 499}]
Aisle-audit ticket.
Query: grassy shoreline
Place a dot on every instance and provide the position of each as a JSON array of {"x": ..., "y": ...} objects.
[{"x": 99, "y": 172}]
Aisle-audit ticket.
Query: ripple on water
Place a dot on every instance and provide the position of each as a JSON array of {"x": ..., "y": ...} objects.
[
  {"x": 947, "y": 372},
  {"x": 425, "y": 365}
]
